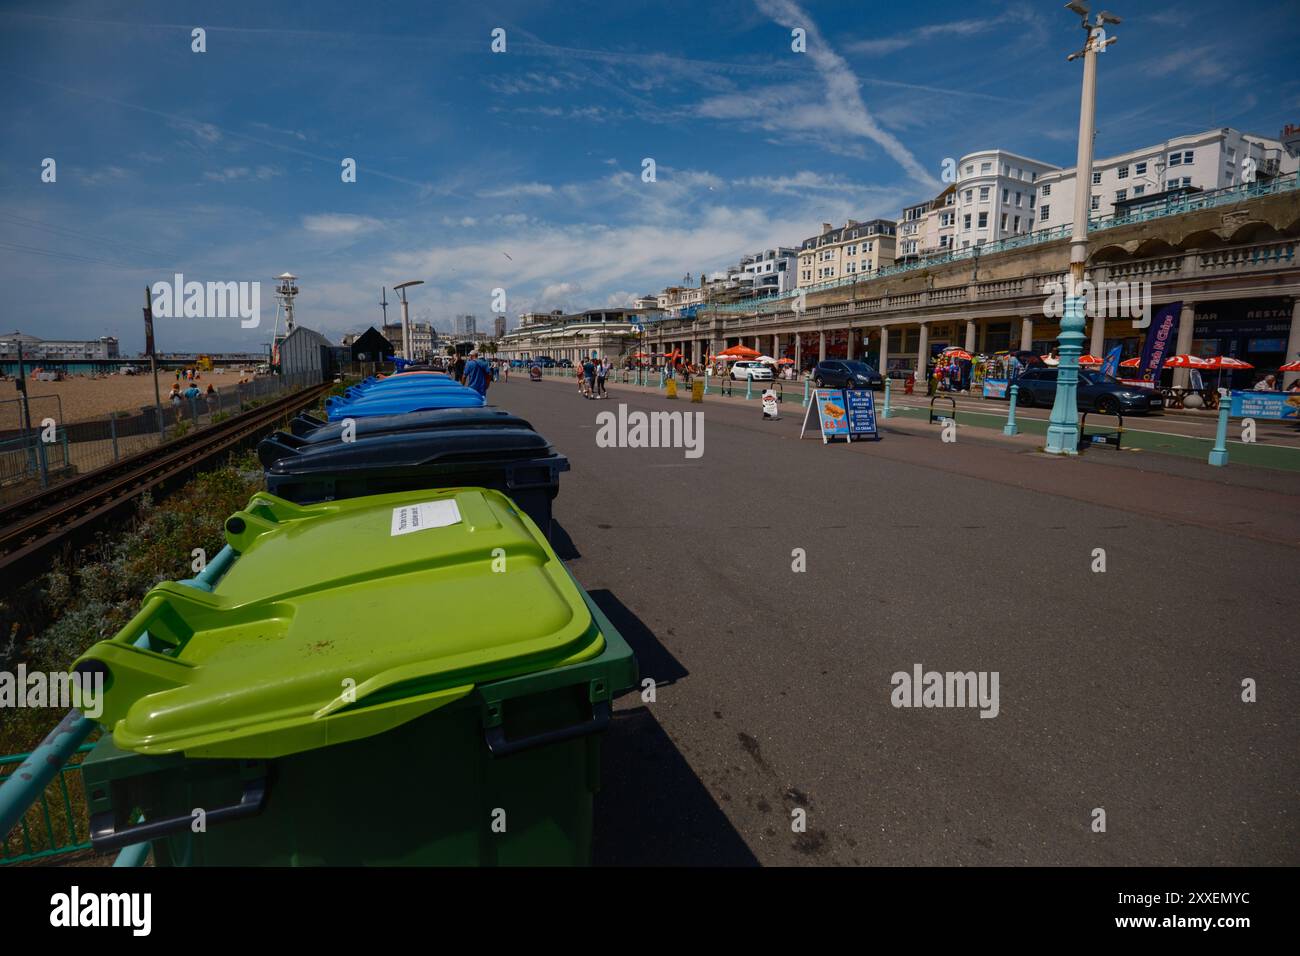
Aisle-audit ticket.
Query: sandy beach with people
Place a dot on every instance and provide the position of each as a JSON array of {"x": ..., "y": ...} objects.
[{"x": 83, "y": 397}]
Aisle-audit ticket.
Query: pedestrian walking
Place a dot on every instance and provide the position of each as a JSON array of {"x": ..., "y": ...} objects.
[
  {"x": 602, "y": 373},
  {"x": 477, "y": 374}
]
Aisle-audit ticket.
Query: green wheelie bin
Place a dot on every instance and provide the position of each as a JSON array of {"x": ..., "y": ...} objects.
[{"x": 402, "y": 679}]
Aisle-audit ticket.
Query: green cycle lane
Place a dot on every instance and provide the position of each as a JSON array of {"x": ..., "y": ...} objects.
[{"x": 1283, "y": 457}]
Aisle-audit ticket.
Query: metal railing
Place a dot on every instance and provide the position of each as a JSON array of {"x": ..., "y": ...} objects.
[
  {"x": 1174, "y": 207},
  {"x": 44, "y": 831},
  {"x": 30, "y": 461}
]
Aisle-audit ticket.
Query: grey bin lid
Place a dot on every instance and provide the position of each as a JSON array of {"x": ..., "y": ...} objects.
[
  {"x": 309, "y": 432},
  {"x": 428, "y": 448}
]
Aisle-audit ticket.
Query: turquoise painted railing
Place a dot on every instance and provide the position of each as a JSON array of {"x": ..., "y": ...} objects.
[{"x": 27, "y": 786}]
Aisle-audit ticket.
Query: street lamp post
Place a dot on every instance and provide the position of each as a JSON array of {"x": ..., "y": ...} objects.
[
  {"x": 406, "y": 319},
  {"x": 1063, "y": 427}
]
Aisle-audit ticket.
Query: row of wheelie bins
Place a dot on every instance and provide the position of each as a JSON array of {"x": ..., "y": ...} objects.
[{"x": 388, "y": 665}]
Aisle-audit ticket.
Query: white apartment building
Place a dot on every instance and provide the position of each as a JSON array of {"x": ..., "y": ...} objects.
[
  {"x": 996, "y": 194},
  {"x": 854, "y": 250},
  {"x": 1209, "y": 160},
  {"x": 770, "y": 272},
  {"x": 927, "y": 227}
]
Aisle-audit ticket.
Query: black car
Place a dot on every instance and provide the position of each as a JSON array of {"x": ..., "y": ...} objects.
[
  {"x": 1097, "y": 393},
  {"x": 846, "y": 373}
]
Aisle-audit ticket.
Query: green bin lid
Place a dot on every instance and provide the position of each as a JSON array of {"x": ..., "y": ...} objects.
[{"x": 341, "y": 620}]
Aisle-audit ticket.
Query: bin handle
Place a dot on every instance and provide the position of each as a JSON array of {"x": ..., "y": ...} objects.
[
  {"x": 105, "y": 835},
  {"x": 500, "y": 747}
]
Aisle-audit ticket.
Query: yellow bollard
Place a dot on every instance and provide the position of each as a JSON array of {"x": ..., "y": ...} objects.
[
  {"x": 672, "y": 388},
  {"x": 697, "y": 390}
]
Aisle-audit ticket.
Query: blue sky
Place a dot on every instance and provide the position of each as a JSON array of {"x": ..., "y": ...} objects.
[{"x": 522, "y": 170}]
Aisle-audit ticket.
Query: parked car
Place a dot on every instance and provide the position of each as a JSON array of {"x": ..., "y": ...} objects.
[
  {"x": 1097, "y": 392},
  {"x": 564, "y": 363},
  {"x": 754, "y": 371},
  {"x": 846, "y": 373}
]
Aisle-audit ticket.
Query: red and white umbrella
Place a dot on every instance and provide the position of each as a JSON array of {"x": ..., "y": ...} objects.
[
  {"x": 1090, "y": 360},
  {"x": 1226, "y": 361},
  {"x": 960, "y": 354},
  {"x": 1290, "y": 367},
  {"x": 1186, "y": 361},
  {"x": 1133, "y": 362}
]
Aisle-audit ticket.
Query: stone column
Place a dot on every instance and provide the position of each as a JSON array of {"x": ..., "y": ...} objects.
[
  {"x": 970, "y": 336},
  {"x": 1026, "y": 333},
  {"x": 922, "y": 355},
  {"x": 798, "y": 353},
  {"x": 1292, "y": 344},
  {"x": 1183, "y": 345},
  {"x": 1098, "y": 342},
  {"x": 776, "y": 345},
  {"x": 884, "y": 350},
  {"x": 821, "y": 346}
]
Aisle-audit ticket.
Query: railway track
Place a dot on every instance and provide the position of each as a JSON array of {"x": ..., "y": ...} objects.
[{"x": 35, "y": 528}]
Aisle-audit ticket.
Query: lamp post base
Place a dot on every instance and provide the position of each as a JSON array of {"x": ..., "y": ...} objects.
[{"x": 1062, "y": 440}]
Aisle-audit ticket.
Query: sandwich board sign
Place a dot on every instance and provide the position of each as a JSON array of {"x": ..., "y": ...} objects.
[
  {"x": 861, "y": 405},
  {"x": 843, "y": 413},
  {"x": 833, "y": 418}
]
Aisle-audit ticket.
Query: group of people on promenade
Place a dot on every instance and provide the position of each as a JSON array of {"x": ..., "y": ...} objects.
[{"x": 592, "y": 375}]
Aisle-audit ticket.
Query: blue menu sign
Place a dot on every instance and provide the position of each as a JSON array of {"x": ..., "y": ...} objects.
[{"x": 861, "y": 406}]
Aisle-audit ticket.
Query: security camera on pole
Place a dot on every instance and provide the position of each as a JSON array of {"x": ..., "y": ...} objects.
[{"x": 1063, "y": 429}]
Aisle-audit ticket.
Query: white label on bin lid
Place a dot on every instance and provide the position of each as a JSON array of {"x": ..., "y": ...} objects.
[{"x": 421, "y": 517}]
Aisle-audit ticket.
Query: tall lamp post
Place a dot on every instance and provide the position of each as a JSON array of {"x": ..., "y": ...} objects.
[
  {"x": 1063, "y": 427},
  {"x": 406, "y": 318}
]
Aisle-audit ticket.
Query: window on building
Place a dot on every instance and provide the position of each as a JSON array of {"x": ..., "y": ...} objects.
[
  {"x": 970, "y": 196},
  {"x": 1139, "y": 190},
  {"x": 1187, "y": 158},
  {"x": 1095, "y": 204},
  {"x": 1016, "y": 173},
  {"x": 1175, "y": 159},
  {"x": 1096, "y": 179},
  {"x": 965, "y": 222},
  {"x": 1031, "y": 200},
  {"x": 868, "y": 247},
  {"x": 1187, "y": 180},
  {"x": 1044, "y": 213},
  {"x": 1004, "y": 194},
  {"x": 945, "y": 241},
  {"x": 1016, "y": 226},
  {"x": 1004, "y": 169},
  {"x": 1047, "y": 190},
  {"x": 852, "y": 249},
  {"x": 1122, "y": 172},
  {"x": 1033, "y": 177},
  {"x": 1004, "y": 222},
  {"x": 1121, "y": 195},
  {"x": 1030, "y": 225},
  {"x": 970, "y": 170},
  {"x": 1232, "y": 153},
  {"x": 851, "y": 267},
  {"x": 984, "y": 194},
  {"x": 984, "y": 220},
  {"x": 1019, "y": 200},
  {"x": 1139, "y": 169},
  {"x": 986, "y": 168}
]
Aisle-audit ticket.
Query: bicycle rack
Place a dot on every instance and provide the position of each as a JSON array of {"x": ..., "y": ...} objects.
[
  {"x": 1111, "y": 439},
  {"x": 943, "y": 418}
]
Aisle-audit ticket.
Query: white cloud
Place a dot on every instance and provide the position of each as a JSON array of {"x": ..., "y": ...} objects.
[
  {"x": 339, "y": 224},
  {"x": 233, "y": 173},
  {"x": 843, "y": 109},
  {"x": 517, "y": 190}
]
